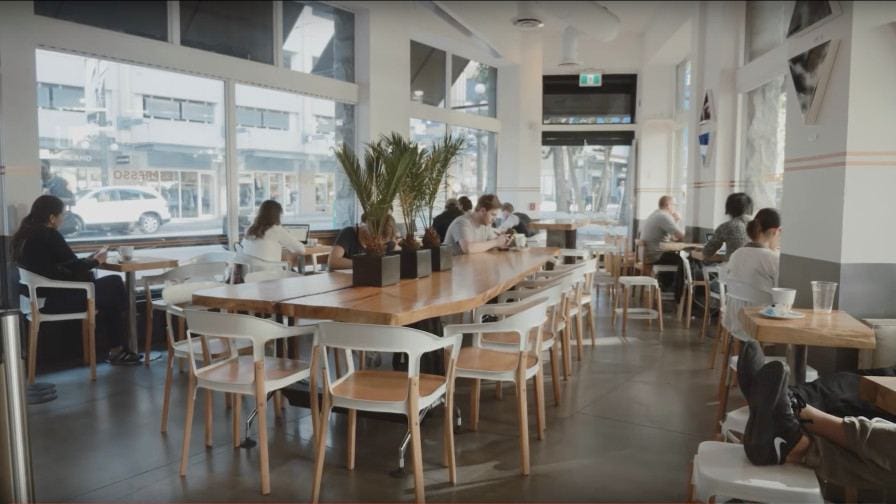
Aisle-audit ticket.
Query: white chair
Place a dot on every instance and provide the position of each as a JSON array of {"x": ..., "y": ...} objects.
[
  {"x": 721, "y": 272},
  {"x": 194, "y": 272},
  {"x": 269, "y": 274},
  {"x": 609, "y": 276},
  {"x": 687, "y": 294},
  {"x": 478, "y": 362},
  {"x": 626, "y": 285},
  {"x": 721, "y": 471},
  {"x": 734, "y": 424},
  {"x": 256, "y": 375},
  {"x": 32, "y": 305},
  {"x": 225, "y": 256},
  {"x": 258, "y": 264},
  {"x": 404, "y": 393}
]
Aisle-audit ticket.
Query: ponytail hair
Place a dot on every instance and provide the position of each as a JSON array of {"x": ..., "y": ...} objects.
[
  {"x": 765, "y": 219},
  {"x": 41, "y": 210}
]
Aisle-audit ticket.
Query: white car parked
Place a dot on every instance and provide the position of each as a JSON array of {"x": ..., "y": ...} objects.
[{"x": 120, "y": 207}]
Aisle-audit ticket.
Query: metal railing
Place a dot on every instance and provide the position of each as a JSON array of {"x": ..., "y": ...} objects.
[{"x": 16, "y": 483}]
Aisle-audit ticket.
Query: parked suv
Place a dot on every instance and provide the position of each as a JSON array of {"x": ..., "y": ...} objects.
[{"x": 120, "y": 208}]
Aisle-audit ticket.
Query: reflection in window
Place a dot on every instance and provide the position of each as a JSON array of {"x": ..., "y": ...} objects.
[
  {"x": 762, "y": 172},
  {"x": 59, "y": 97},
  {"x": 473, "y": 86},
  {"x": 236, "y": 28},
  {"x": 142, "y": 18},
  {"x": 427, "y": 74},
  {"x": 319, "y": 39},
  {"x": 683, "y": 86},
  {"x": 565, "y": 102},
  {"x": 123, "y": 169},
  {"x": 474, "y": 170},
  {"x": 285, "y": 157}
]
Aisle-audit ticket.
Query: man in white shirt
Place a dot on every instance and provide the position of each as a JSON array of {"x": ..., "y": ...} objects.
[
  {"x": 508, "y": 219},
  {"x": 663, "y": 225},
  {"x": 472, "y": 232}
]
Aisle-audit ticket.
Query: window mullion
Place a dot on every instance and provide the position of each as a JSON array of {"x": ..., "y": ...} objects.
[
  {"x": 231, "y": 168},
  {"x": 277, "y": 33},
  {"x": 174, "y": 22}
]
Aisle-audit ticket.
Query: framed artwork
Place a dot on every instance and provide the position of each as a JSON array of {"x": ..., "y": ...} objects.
[
  {"x": 708, "y": 111},
  {"x": 810, "y": 72},
  {"x": 809, "y": 14}
]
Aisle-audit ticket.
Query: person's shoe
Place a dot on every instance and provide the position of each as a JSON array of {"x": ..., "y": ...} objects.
[
  {"x": 773, "y": 430},
  {"x": 750, "y": 361},
  {"x": 125, "y": 358}
]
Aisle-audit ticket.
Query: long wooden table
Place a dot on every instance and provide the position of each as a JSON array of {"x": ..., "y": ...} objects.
[
  {"x": 880, "y": 391},
  {"x": 837, "y": 329},
  {"x": 472, "y": 281}
]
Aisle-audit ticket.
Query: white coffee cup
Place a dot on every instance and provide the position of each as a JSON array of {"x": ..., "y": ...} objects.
[
  {"x": 126, "y": 252},
  {"x": 520, "y": 240},
  {"x": 782, "y": 300}
]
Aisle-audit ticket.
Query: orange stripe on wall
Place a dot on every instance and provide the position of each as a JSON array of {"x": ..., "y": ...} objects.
[{"x": 837, "y": 154}]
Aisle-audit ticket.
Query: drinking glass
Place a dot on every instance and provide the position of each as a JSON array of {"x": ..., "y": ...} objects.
[{"x": 823, "y": 296}]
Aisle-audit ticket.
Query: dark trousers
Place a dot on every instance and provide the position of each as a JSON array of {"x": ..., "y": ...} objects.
[
  {"x": 111, "y": 305},
  {"x": 838, "y": 394},
  {"x": 667, "y": 280}
]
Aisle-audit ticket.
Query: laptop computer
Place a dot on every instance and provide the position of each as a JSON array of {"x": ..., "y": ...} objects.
[{"x": 299, "y": 231}]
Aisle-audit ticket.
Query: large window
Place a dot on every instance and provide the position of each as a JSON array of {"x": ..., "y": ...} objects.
[
  {"x": 427, "y": 74},
  {"x": 286, "y": 155},
  {"x": 766, "y": 27},
  {"x": 762, "y": 171},
  {"x": 683, "y": 86},
  {"x": 143, "y": 18},
  {"x": 474, "y": 170},
  {"x": 236, "y": 28},
  {"x": 565, "y": 102},
  {"x": 142, "y": 154},
  {"x": 319, "y": 39},
  {"x": 473, "y": 86}
]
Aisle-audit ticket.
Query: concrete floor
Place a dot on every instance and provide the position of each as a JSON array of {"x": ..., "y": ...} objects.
[{"x": 629, "y": 422}]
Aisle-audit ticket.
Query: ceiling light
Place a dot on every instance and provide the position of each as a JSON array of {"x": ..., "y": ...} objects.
[
  {"x": 527, "y": 18},
  {"x": 570, "y": 54}
]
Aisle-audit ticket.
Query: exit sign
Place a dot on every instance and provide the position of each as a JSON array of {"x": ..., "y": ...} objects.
[{"x": 591, "y": 79}]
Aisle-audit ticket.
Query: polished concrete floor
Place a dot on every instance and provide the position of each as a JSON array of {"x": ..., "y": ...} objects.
[{"x": 629, "y": 422}]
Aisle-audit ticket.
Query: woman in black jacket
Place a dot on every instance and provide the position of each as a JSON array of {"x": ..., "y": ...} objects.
[{"x": 39, "y": 247}]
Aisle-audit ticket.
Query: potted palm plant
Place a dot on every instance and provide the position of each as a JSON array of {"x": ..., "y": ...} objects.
[
  {"x": 376, "y": 185},
  {"x": 435, "y": 168},
  {"x": 415, "y": 261}
]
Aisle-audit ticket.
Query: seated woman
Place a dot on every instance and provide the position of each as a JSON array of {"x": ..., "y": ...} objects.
[
  {"x": 38, "y": 246},
  {"x": 732, "y": 233},
  {"x": 753, "y": 268},
  {"x": 266, "y": 238},
  {"x": 349, "y": 243}
]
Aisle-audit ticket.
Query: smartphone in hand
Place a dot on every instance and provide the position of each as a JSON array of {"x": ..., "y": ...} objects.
[{"x": 102, "y": 250}]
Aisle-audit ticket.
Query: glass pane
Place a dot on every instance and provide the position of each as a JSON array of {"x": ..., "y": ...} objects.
[
  {"x": 319, "y": 39},
  {"x": 292, "y": 162},
  {"x": 766, "y": 26},
  {"x": 43, "y": 95},
  {"x": 427, "y": 74},
  {"x": 683, "y": 86},
  {"x": 473, "y": 86},
  {"x": 68, "y": 97},
  {"x": 762, "y": 171},
  {"x": 475, "y": 168},
  {"x": 124, "y": 138},
  {"x": 587, "y": 179},
  {"x": 606, "y": 108},
  {"x": 235, "y": 28},
  {"x": 146, "y": 19},
  {"x": 248, "y": 117},
  {"x": 197, "y": 111}
]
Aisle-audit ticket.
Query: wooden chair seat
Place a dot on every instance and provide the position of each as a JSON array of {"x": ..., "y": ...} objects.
[
  {"x": 384, "y": 386},
  {"x": 241, "y": 371},
  {"x": 511, "y": 338},
  {"x": 490, "y": 361}
]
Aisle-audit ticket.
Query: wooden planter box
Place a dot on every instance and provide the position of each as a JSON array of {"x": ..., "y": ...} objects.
[
  {"x": 375, "y": 271},
  {"x": 441, "y": 258},
  {"x": 415, "y": 263}
]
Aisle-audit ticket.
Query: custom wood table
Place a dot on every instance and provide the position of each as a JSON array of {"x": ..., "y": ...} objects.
[
  {"x": 880, "y": 391},
  {"x": 679, "y": 246},
  {"x": 130, "y": 269},
  {"x": 837, "y": 329},
  {"x": 264, "y": 297}
]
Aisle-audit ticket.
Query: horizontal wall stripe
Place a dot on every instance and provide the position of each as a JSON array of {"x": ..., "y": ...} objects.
[
  {"x": 848, "y": 164},
  {"x": 840, "y": 154}
]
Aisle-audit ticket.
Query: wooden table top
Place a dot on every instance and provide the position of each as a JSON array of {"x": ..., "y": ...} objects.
[
  {"x": 837, "y": 329},
  {"x": 672, "y": 246},
  {"x": 715, "y": 258},
  {"x": 880, "y": 391},
  {"x": 473, "y": 280},
  {"x": 559, "y": 224},
  {"x": 318, "y": 250},
  {"x": 137, "y": 263},
  {"x": 263, "y": 297}
]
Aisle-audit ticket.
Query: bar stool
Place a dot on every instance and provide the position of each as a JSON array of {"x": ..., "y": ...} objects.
[{"x": 626, "y": 284}]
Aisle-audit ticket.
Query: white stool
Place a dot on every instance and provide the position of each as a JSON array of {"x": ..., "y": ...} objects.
[
  {"x": 734, "y": 424},
  {"x": 722, "y": 470},
  {"x": 644, "y": 313}
]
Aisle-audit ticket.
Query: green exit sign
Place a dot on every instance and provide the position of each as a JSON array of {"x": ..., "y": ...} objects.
[{"x": 591, "y": 79}]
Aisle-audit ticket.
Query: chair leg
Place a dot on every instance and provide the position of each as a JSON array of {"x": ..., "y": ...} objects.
[
  {"x": 539, "y": 403},
  {"x": 91, "y": 337},
  {"x": 278, "y": 405},
  {"x": 580, "y": 340},
  {"x": 690, "y": 305},
  {"x": 723, "y": 389},
  {"x": 350, "y": 434},
  {"x": 555, "y": 379},
  {"x": 614, "y": 306},
  {"x": 33, "y": 331},
  {"x": 416, "y": 441},
  {"x": 147, "y": 346},
  {"x": 625, "y": 295},
  {"x": 705, "y": 323},
  {"x": 261, "y": 407},
  {"x": 564, "y": 345},
  {"x": 85, "y": 344},
  {"x": 659, "y": 307},
  {"x": 236, "y": 417},
  {"x": 592, "y": 326},
  {"x": 448, "y": 428},
  {"x": 321, "y": 446},
  {"x": 474, "y": 405},
  {"x": 499, "y": 391},
  {"x": 169, "y": 372},
  {"x": 650, "y": 303},
  {"x": 312, "y": 394},
  {"x": 714, "y": 353},
  {"x": 523, "y": 416},
  {"x": 188, "y": 426}
]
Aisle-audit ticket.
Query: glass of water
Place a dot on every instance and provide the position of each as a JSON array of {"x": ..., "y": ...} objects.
[{"x": 823, "y": 296}]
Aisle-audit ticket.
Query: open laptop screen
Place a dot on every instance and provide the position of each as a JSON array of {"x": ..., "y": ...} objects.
[{"x": 299, "y": 231}]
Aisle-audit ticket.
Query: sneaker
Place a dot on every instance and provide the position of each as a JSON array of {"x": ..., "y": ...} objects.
[
  {"x": 749, "y": 363},
  {"x": 125, "y": 358},
  {"x": 773, "y": 430}
]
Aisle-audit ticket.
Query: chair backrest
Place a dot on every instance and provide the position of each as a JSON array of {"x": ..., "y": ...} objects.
[
  {"x": 686, "y": 264},
  {"x": 522, "y": 318},
  {"x": 193, "y": 272},
  {"x": 34, "y": 281},
  {"x": 259, "y": 264},
  {"x": 270, "y": 274},
  {"x": 376, "y": 338},
  {"x": 216, "y": 256},
  {"x": 175, "y": 294}
]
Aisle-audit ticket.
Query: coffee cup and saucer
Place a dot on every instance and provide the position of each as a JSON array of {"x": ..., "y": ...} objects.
[{"x": 782, "y": 301}]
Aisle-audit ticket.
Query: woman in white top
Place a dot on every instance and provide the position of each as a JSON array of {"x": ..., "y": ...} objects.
[
  {"x": 753, "y": 268},
  {"x": 266, "y": 238}
]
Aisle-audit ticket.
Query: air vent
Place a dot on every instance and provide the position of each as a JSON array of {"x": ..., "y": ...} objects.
[{"x": 528, "y": 23}]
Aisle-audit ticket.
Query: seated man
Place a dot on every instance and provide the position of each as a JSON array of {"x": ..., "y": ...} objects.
[
  {"x": 465, "y": 204},
  {"x": 508, "y": 219},
  {"x": 349, "y": 243},
  {"x": 444, "y": 219},
  {"x": 472, "y": 233},
  {"x": 664, "y": 224}
]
